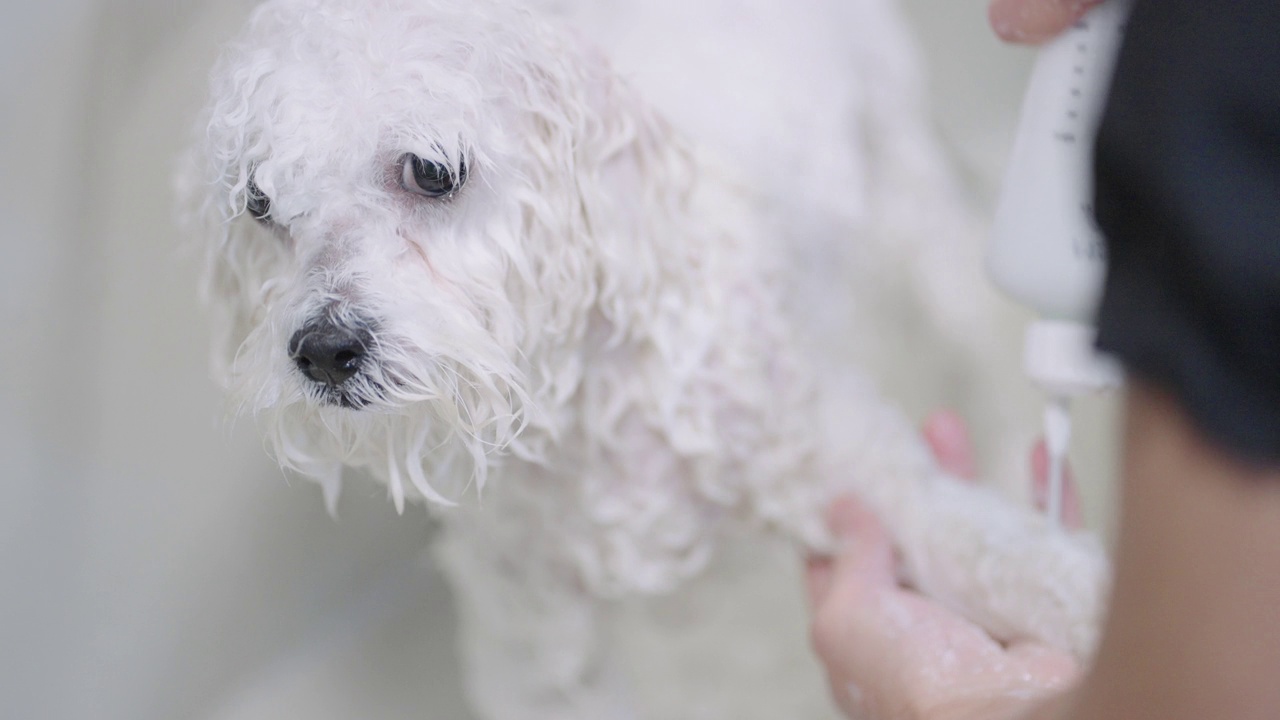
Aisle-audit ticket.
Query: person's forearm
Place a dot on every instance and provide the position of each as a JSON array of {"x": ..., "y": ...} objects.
[{"x": 1192, "y": 631}]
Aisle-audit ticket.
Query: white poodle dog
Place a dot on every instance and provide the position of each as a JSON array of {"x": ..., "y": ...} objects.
[{"x": 449, "y": 246}]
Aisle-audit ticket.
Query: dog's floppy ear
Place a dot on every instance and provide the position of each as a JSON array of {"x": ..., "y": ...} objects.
[
  {"x": 240, "y": 257},
  {"x": 622, "y": 179}
]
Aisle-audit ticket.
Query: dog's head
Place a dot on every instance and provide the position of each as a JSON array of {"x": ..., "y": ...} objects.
[{"x": 416, "y": 208}]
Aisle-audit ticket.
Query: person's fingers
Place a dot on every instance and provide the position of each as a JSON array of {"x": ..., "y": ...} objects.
[
  {"x": 817, "y": 579},
  {"x": 948, "y": 438},
  {"x": 1072, "y": 515},
  {"x": 866, "y": 553},
  {"x": 1034, "y": 21},
  {"x": 848, "y": 590}
]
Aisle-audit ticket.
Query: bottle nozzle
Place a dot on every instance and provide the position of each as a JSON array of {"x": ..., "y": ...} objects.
[{"x": 1057, "y": 439}]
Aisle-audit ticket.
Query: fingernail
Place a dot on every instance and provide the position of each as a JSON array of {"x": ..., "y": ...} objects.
[
  {"x": 948, "y": 436},
  {"x": 1000, "y": 14},
  {"x": 843, "y": 518},
  {"x": 1040, "y": 459},
  {"x": 1034, "y": 21},
  {"x": 948, "y": 427}
]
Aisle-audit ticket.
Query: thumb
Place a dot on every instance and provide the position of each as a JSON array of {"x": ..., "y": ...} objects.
[{"x": 865, "y": 555}]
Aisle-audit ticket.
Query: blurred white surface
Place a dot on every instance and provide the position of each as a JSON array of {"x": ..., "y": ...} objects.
[{"x": 156, "y": 564}]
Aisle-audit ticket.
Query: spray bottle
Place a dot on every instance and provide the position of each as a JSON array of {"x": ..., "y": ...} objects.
[{"x": 1046, "y": 251}]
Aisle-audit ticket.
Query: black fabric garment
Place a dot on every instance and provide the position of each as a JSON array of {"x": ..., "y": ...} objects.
[{"x": 1187, "y": 193}]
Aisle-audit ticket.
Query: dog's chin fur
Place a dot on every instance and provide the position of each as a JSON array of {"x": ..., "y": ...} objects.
[{"x": 593, "y": 323}]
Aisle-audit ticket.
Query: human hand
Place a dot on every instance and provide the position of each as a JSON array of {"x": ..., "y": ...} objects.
[
  {"x": 893, "y": 654},
  {"x": 1034, "y": 21}
]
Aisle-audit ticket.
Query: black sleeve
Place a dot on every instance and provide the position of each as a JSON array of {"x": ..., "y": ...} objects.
[{"x": 1187, "y": 193}]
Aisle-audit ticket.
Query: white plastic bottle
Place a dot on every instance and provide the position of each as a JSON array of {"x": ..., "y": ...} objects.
[{"x": 1046, "y": 251}]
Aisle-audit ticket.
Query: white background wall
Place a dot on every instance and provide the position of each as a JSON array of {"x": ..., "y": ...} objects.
[{"x": 155, "y": 563}]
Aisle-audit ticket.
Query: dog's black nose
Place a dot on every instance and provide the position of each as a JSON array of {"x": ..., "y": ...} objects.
[{"x": 328, "y": 353}]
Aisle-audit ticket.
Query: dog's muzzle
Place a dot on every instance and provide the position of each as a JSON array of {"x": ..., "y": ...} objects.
[{"x": 329, "y": 354}]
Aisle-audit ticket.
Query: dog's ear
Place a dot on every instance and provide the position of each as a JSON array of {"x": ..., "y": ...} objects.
[
  {"x": 622, "y": 178},
  {"x": 243, "y": 257},
  {"x": 239, "y": 256}
]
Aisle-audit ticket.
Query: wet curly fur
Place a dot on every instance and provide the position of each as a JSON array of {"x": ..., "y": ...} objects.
[{"x": 577, "y": 351}]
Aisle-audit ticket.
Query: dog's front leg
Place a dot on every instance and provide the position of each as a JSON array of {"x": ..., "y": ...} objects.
[
  {"x": 531, "y": 638},
  {"x": 1000, "y": 565}
]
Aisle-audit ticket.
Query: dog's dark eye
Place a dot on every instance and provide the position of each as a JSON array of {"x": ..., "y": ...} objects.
[
  {"x": 430, "y": 179},
  {"x": 256, "y": 202}
]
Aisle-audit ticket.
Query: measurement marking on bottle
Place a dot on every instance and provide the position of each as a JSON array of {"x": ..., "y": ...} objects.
[{"x": 1065, "y": 137}]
